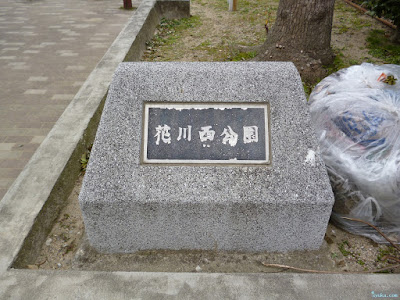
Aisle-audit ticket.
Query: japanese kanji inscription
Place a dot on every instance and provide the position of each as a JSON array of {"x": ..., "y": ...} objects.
[{"x": 190, "y": 133}]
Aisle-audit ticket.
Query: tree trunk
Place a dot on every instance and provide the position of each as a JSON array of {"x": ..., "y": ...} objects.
[{"x": 302, "y": 34}]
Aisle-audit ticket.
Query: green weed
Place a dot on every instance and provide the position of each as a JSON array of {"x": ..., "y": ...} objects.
[
  {"x": 203, "y": 45},
  {"x": 169, "y": 32},
  {"x": 343, "y": 29},
  {"x": 84, "y": 161},
  {"x": 360, "y": 262},
  {"x": 388, "y": 250},
  {"x": 359, "y": 23},
  {"x": 342, "y": 248},
  {"x": 243, "y": 56},
  {"x": 381, "y": 47},
  {"x": 308, "y": 89},
  {"x": 353, "y": 62},
  {"x": 341, "y": 6},
  {"x": 340, "y": 62}
]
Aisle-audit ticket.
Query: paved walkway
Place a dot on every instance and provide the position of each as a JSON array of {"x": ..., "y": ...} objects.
[{"x": 47, "y": 50}]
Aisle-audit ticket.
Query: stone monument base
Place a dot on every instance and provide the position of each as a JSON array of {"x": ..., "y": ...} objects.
[{"x": 283, "y": 202}]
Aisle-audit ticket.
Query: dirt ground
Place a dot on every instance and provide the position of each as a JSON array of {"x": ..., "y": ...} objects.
[
  {"x": 67, "y": 248},
  {"x": 214, "y": 37},
  {"x": 221, "y": 34}
]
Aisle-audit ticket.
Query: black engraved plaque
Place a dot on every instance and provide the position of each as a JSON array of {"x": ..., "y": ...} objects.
[{"x": 187, "y": 133}]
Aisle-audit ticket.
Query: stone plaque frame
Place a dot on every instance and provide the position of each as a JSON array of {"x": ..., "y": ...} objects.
[
  {"x": 129, "y": 206},
  {"x": 264, "y": 135}
]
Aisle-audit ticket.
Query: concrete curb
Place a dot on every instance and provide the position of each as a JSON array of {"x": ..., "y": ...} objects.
[
  {"x": 31, "y": 205},
  {"x": 124, "y": 285}
]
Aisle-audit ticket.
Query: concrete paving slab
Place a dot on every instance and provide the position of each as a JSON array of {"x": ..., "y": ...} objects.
[{"x": 40, "y": 66}]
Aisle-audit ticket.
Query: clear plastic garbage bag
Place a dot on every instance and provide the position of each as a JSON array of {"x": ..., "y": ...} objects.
[{"x": 356, "y": 113}]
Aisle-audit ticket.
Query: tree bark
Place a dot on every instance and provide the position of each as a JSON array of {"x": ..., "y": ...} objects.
[{"x": 302, "y": 34}]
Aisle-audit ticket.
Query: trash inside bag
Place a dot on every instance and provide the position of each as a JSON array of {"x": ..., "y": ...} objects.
[{"x": 356, "y": 113}]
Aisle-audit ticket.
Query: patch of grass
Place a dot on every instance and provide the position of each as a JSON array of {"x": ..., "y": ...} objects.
[
  {"x": 225, "y": 51},
  {"x": 220, "y": 4},
  {"x": 252, "y": 12},
  {"x": 369, "y": 60},
  {"x": 216, "y": 51},
  {"x": 243, "y": 6},
  {"x": 381, "y": 47},
  {"x": 204, "y": 44},
  {"x": 385, "y": 272},
  {"x": 340, "y": 62},
  {"x": 202, "y": 3},
  {"x": 359, "y": 23},
  {"x": 343, "y": 29},
  {"x": 353, "y": 62},
  {"x": 243, "y": 56},
  {"x": 168, "y": 32},
  {"x": 341, "y": 6},
  {"x": 167, "y": 45}
]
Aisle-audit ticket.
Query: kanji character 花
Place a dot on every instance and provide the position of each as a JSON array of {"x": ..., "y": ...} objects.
[{"x": 163, "y": 134}]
